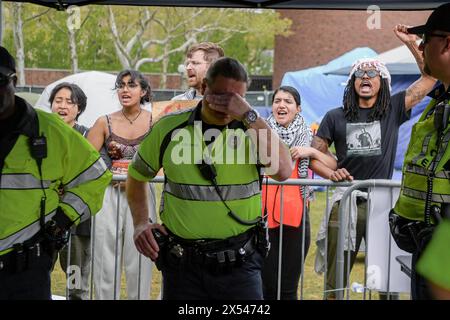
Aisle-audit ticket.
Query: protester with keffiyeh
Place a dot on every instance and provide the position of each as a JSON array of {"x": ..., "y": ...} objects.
[{"x": 292, "y": 129}]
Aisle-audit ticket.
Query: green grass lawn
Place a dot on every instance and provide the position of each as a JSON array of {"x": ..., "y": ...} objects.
[{"x": 313, "y": 283}]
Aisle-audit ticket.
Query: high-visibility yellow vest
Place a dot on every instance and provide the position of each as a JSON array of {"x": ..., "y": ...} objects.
[
  {"x": 72, "y": 165},
  {"x": 417, "y": 167},
  {"x": 191, "y": 207}
]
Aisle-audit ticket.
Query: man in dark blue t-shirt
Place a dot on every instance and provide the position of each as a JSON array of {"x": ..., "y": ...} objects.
[{"x": 365, "y": 132}]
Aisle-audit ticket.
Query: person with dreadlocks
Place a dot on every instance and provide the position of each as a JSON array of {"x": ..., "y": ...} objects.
[{"x": 364, "y": 132}]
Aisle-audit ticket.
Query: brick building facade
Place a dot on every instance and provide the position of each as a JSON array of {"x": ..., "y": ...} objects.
[
  {"x": 320, "y": 36},
  {"x": 43, "y": 77}
]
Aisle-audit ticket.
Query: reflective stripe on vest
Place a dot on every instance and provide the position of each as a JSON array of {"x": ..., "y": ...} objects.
[
  {"x": 96, "y": 170},
  {"x": 23, "y": 234},
  {"x": 22, "y": 181},
  {"x": 208, "y": 193},
  {"x": 424, "y": 158},
  {"x": 77, "y": 204},
  {"x": 424, "y": 172},
  {"x": 444, "y": 146},
  {"x": 292, "y": 203},
  {"x": 425, "y": 144},
  {"x": 440, "y": 198},
  {"x": 142, "y": 167}
]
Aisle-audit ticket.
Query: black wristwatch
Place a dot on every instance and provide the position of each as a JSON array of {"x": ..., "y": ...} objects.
[{"x": 250, "y": 117}]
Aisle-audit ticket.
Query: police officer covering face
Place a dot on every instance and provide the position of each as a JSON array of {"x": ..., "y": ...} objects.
[
  {"x": 212, "y": 242},
  {"x": 39, "y": 154}
]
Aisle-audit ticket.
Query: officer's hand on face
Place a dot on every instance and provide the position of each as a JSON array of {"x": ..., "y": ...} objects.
[
  {"x": 341, "y": 175},
  {"x": 230, "y": 103},
  {"x": 145, "y": 241}
]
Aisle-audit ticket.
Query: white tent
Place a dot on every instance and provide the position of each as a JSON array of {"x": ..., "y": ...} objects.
[
  {"x": 397, "y": 55},
  {"x": 99, "y": 89},
  {"x": 399, "y": 61}
]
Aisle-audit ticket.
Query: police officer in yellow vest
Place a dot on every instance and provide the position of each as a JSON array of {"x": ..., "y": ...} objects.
[
  {"x": 39, "y": 156},
  {"x": 425, "y": 192},
  {"x": 211, "y": 243}
]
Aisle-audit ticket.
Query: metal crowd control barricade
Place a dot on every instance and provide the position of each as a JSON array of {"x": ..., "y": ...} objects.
[
  {"x": 300, "y": 182},
  {"x": 290, "y": 182},
  {"x": 352, "y": 186},
  {"x": 371, "y": 184},
  {"x": 116, "y": 281}
]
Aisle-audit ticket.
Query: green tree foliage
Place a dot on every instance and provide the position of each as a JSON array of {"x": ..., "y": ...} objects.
[
  {"x": 47, "y": 44},
  {"x": 245, "y": 34}
]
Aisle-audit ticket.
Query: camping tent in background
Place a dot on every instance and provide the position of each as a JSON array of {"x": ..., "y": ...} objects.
[
  {"x": 399, "y": 61},
  {"x": 321, "y": 89},
  {"x": 99, "y": 89}
]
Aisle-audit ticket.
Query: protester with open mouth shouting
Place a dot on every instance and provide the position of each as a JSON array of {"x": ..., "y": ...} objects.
[
  {"x": 286, "y": 120},
  {"x": 121, "y": 133},
  {"x": 69, "y": 102},
  {"x": 365, "y": 133}
]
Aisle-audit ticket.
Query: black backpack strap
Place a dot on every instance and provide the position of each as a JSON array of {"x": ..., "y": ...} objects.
[
  {"x": 233, "y": 125},
  {"x": 166, "y": 140},
  {"x": 8, "y": 142},
  {"x": 6, "y": 145},
  {"x": 240, "y": 125}
]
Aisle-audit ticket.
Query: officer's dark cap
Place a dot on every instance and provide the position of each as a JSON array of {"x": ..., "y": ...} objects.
[
  {"x": 438, "y": 20},
  {"x": 7, "y": 63}
]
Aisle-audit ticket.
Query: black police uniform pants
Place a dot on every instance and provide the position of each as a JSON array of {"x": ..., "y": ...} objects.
[
  {"x": 196, "y": 282},
  {"x": 33, "y": 283}
]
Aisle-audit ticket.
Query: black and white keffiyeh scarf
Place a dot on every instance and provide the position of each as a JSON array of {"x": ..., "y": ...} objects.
[{"x": 297, "y": 134}]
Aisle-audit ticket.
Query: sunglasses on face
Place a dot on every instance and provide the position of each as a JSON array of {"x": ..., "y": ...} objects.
[
  {"x": 426, "y": 37},
  {"x": 370, "y": 73},
  {"x": 130, "y": 85},
  {"x": 5, "y": 79}
]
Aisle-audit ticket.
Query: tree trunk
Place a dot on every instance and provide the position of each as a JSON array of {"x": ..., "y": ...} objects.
[
  {"x": 165, "y": 67},
  {"x": 124, "y": 61},
  {"x": 73, "y": 49},
  {"x": 2, "y": 23},
  {"x": 18, "y": 43}
]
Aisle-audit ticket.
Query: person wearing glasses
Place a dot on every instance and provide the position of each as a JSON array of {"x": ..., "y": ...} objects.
[
  {"x": 423, "y": 205},
  {"x": 120, "y": 133},
  {"x": 364, "y": 132},
  {"x": 198, "y": 59},
  {"x": 39, "y": 155}
]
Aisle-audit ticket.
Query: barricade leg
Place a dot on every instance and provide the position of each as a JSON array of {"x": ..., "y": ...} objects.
[
  {"x": 78, "y": 269},
  {"x": 138, "y": 268},
  {"x": 291, "y": 260},
  {"x": 333, "y": 231}
]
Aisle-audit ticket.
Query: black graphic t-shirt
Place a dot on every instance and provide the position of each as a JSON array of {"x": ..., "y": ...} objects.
[{"x": 366, "y": 149}]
